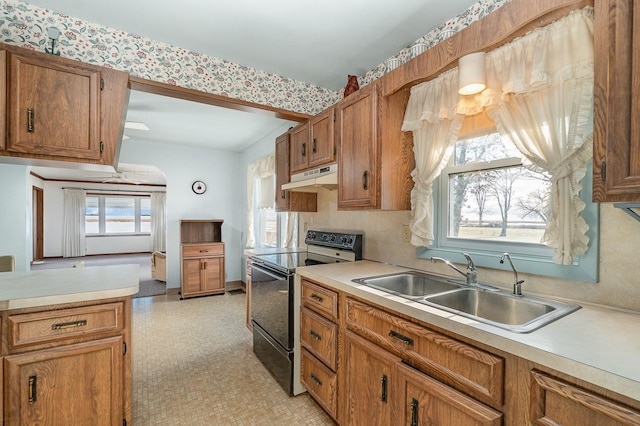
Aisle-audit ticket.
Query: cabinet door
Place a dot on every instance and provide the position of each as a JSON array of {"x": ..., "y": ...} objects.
[
  {"x": 214, "y": 278},
  {"x": 616, "y": 124},
  {"x": 78, "y": 384},
  {"x": 425, "y": 401},
  {"x": 299, "y": 154},
  {"x": 191, "y": 276},
  {"x": 358, "y": 149},
  {"x": 282, "y": 172},
  {"x": 54, "y": 109},
  {"x": 322, "y": 149},
  {"x": 369, "y": 391}
]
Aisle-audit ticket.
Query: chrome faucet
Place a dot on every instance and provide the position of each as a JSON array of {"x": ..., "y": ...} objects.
[
  {"x": 517, "y": 284},
  {"x": 470, "y": 275}
]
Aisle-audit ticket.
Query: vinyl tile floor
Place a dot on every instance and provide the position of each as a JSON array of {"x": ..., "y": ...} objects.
[{"x": 193, "y": 364}]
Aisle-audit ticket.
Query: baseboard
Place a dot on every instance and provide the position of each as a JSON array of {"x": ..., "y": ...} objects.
[
  {"x": 233, "y": 285},
  {"x": 173, "y": 290}
]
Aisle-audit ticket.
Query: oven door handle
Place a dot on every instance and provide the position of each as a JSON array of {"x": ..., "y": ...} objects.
[{"x": 264, "y": 270}]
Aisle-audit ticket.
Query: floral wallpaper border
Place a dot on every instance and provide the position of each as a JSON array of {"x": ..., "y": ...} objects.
[{"x": 25, "y": 25}]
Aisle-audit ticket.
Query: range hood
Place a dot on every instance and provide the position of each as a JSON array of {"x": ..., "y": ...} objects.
[{"x": 325, "y": 177}]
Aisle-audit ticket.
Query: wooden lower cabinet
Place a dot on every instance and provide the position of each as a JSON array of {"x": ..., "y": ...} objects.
[
  {"x": 368, "y": 372},
  {"x": 68, "y": 364},
  {"x": 202, "y": 270},
  {"x": 425, "y": 401},
  {"x": 79, "y": 384}
]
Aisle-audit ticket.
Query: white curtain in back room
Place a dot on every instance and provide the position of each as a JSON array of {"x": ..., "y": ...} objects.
[{"x": 73, "y": 242}]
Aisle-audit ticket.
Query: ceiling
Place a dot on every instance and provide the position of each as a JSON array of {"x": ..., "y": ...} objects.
[{"x": 313, "y": 42}]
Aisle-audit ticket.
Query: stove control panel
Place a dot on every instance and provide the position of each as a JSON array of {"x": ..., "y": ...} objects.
[{"x": 338, "y": 240}]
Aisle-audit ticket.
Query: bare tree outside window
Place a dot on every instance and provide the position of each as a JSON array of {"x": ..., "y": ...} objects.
[{"x": 491, "y": 195}]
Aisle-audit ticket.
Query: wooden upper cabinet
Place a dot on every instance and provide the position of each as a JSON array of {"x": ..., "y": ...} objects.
[
  {"x": 286, "y": 200},
  {"x": 61, "y": 109},
  {"x": 616, "y": 143},
  {"x": 322, "y": 147},
  {"x": 359, "y": 148},
  {"x": 299, "y": 148},
  {"x": 375, "y": 157}
]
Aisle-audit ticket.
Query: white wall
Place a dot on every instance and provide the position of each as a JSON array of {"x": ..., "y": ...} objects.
[
  {"x": 15, "y": 214},
  {"x": 220, "y": 170}
]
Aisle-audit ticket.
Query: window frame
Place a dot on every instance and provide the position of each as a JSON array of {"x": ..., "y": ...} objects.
[
  {"x": 528, "y": 258},
  {"x": 102, "y": 227}
]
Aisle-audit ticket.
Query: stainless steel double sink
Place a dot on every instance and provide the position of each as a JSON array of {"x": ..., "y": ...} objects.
[{"x": 489, "y": 305}]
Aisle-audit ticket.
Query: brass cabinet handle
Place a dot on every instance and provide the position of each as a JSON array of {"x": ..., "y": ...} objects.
[
  {"x": 365, "y": 180},
  {"x": 204, "y": 251},
  {"x": 304, "y": 149},
  {"x": 70, "y": 324},
  {"x": 315, "y": 335},
  {"x": 316, "y": 297},
  {"x": 30, "y": 120},
  {"x": 404, "y": 339},
  {"x": 383, "y": 382},
  {"x": 32, "y": 392},
  {"x": 313, "y": 145},
  {"x": 315, "y": 379}
]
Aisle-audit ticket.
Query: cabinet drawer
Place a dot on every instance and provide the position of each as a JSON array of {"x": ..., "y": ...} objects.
[
  {"x": 320, "y": 382},
  {"x": 461, "y": 366},
  {"x": 319, "y": 336},
  {"x": 202, "y": 250},
  {"x": 320, "y": 299},
  {"x": 554, "y": 401},
  {"x": 52, "y": 326}
]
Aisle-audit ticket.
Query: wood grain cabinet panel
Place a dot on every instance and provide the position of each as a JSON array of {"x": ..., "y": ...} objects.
[
  {"x": 319, "y": 336},
  {"x": 287, "y": 201},
  {"x": 299, "y": 148},
  {"x": 61, "y": 109},
  {"x": 616, "y": 143},
  {"x": 425, "y": 401},
  {"x": 64, "y": 324},
  {"x": 321, "y": 139},
  {"x": 556, "y": 402},
  {"x": 320, "y": 382},
  {"x": 80, "y": 384},
  {"x": 464, "y": 367}
]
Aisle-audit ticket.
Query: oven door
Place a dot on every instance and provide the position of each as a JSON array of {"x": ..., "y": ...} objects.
[{"x": 272, "y": 303}]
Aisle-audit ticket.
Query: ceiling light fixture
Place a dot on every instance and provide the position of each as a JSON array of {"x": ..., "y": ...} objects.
[{"x": 471, "y": 74}]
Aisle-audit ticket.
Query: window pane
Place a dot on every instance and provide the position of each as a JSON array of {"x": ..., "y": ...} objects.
[
  {"x": 145, "y": 214},
  {"x": 484, "y": 148},
  {"x": 92, "y": 216},
  {"x": 269, "y": 227},
  {"x": 119, "y": 215},
  {"x": 501, "y": 204}
]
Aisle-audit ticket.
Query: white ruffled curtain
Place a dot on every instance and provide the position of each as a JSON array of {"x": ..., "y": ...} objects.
[
  {"x": 73, "y": 223},
  {"x": 158, "y": 221},
  {"x": 264, "y": 170},
  {"x": 540, "y": 95}
]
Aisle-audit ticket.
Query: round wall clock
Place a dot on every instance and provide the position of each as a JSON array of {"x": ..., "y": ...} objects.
[{"x": 199, "y": 187}]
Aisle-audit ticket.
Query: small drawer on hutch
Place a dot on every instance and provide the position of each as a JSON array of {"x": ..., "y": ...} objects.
[
  {"x": 320, "y": 299},
  {"x": 320, "y": 382},
  {"x": 202, "y": 250},
  {"x": 461, "y": 366},
  {"x": 319, "y": 336},
  {"x": 52, "y": 326}
]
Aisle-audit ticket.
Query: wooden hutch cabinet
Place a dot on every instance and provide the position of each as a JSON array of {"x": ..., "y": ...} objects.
[
  {"x": 60, "y": 109},
  {"x": 202, "y": 258}
]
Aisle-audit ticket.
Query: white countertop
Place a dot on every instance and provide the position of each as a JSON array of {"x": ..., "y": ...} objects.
[
  {"x": 28, "y": 289},
  {"x": 596, "y": 344}
]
